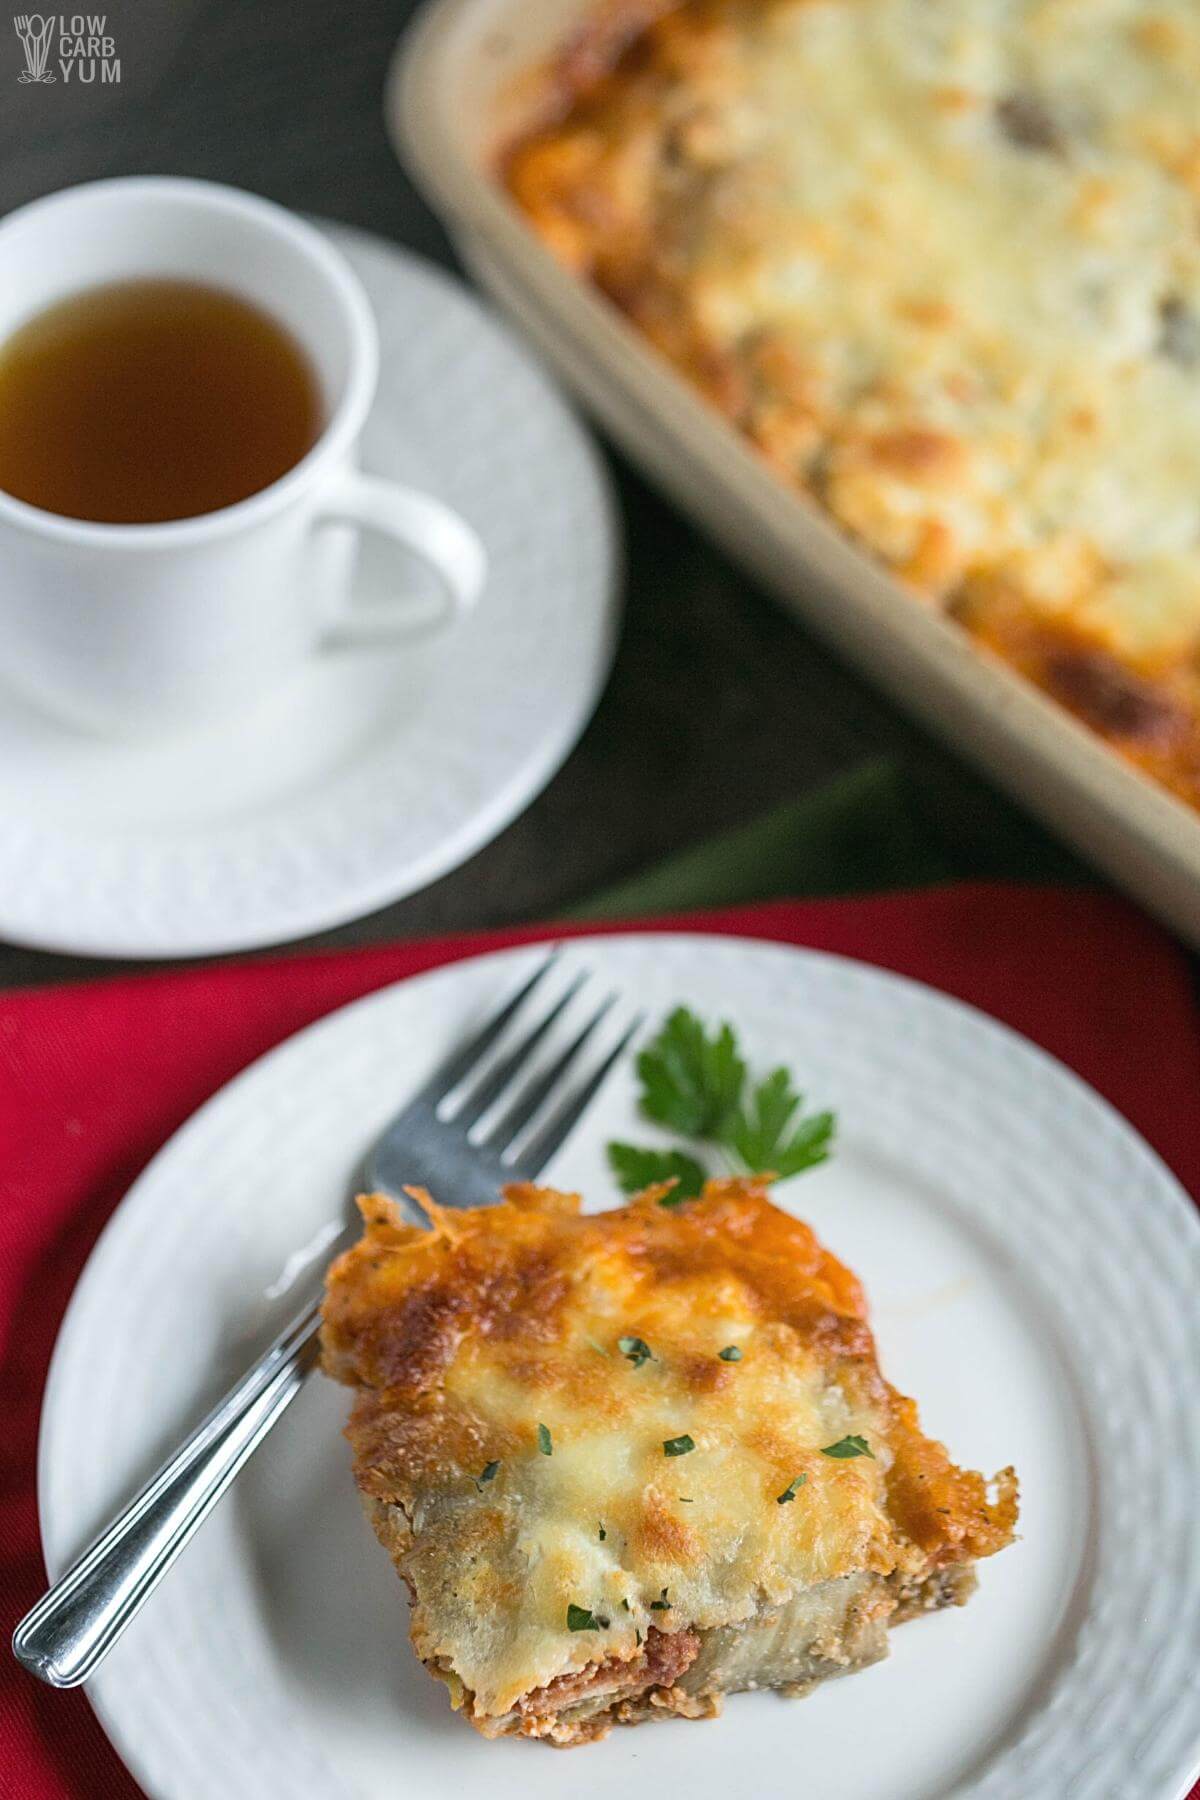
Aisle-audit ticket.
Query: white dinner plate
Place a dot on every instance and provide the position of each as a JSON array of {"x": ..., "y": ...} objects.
[
  {"x": 1033, "y": 1272},
  {"x": 375, "y": 769}
]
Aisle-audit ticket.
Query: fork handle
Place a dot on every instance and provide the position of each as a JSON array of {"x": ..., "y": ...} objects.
[{"x": 73, "y": 1627}]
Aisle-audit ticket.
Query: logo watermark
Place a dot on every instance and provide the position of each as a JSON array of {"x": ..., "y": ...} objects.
[
  {"x": 35, "y": 34},
  {"x": 78, "y": 44}
]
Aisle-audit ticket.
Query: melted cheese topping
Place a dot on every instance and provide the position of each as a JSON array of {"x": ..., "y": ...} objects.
[
  {"x": 942, "y": 263},
  {"x": 466, "y": 1340}
]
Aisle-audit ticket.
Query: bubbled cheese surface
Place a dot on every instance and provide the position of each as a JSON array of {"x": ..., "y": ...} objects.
[
  {"x": 940, "y": 259},
  {"x": 463, "y": 1341}
]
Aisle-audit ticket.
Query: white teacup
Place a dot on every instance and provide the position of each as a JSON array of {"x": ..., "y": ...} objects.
[{"x": 138, "y": 628}]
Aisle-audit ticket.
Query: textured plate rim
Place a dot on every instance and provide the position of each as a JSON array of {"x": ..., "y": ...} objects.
[{"x": 1172, "y": 1198}]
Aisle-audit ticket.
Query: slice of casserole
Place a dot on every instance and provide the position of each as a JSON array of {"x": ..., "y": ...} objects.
[
  {"x": 630, "y": 1462},
  {"x": 940, "y": 262}
]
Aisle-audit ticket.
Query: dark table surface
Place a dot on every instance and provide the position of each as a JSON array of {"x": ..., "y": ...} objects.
[{"x": 718, "y": 706}]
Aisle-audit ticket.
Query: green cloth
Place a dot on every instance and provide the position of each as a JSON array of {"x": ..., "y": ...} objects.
[{"x": 880, "y": 826}]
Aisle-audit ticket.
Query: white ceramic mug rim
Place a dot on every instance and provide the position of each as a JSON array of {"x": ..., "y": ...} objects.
[{"x": 341, "y": 429}]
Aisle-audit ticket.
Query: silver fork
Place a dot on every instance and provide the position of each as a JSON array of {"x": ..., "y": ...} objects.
[{"x": 70, "y": 1631}]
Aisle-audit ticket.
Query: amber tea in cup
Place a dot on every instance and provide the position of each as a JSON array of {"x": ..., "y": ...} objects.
[
  {"x": 190, "y": 444},
  {"x": 145, "y": 400}
]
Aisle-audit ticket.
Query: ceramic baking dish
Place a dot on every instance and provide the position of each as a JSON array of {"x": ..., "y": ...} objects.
[{"x": 458, "y": 87}]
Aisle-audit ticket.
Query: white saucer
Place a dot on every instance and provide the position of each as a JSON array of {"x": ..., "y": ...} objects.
[
  {"x": 1032, "y": 1271},
  {"x": 374, "y": 771}
]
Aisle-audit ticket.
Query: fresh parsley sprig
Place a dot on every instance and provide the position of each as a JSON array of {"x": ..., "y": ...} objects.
[{"x": 694, "y": 1082}]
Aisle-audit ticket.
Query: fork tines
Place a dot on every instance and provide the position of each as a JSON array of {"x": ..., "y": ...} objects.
[
  {"x": 533, "y": 1096},
  {"x": 536, "y": 1155}
]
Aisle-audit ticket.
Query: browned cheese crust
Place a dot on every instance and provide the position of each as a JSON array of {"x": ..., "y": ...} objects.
[
  {"x": 599, "y": 1518},
  {"x": 941, "y": 265}
]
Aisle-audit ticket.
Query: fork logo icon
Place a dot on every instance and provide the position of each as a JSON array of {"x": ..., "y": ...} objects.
[{"x": 35, "y": 34}]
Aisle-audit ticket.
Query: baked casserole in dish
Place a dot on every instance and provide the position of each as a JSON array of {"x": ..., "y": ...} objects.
[
  {"x": 630, "y": 1462},
  {"x": 940, "y": 262}
]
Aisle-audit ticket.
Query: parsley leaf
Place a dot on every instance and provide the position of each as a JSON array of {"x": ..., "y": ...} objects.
[
  {"x": 730, "y": 1353},
  {"x": 663, "y": 1605},
  {"x": 582, "y": 1618},
  {"x": 691, "y": 1082},
  {"x": 487, "y": 1473},
  {"x": 678, "y": 1195},
  {"x": 760, "y": 1132},
  {"x": 791, "y": 1490},
  {"x": 635, "y": 1350},
  {"x": 545, "y": 1441},
  {"x": 678, "y": 1446},
  {"x": 694, "y": 1083},
  {"x": 847, "y": 1447},
  {"x": 636, "y": 1168}
]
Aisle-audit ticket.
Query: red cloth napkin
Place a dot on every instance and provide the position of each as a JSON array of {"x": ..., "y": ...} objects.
[{"x": 94, "y": 1078}]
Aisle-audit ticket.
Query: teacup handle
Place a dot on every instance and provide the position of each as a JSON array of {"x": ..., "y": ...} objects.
[{"x": 422, "y": 526}]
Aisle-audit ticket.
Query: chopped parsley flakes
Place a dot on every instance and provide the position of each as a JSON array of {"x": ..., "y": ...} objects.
[
  {"x": 849, "y": 1446},
  {"x": 582, "y": 1618}
]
